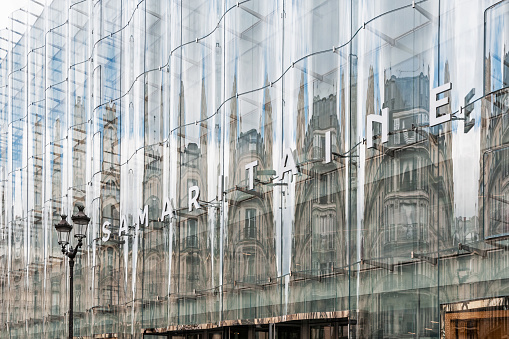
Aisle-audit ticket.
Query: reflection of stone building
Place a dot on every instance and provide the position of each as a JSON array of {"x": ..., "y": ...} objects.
[
  {"x": 35, "y": 308},
  {"x": 408, "y": 180},
  {"x": 151, "y": 269},
  {"x": 78, "y": 183},
  {"x": 107, "y": 296},
  {"x": 408, "y": 197},
  {"x": 55, "y": 286},
  {"x": 78, "y": 151},
  {"x": 192, "y": 262},
  {"x": 38, "y": 191},
  {"x": 494, "y": 161},
  {"x": 250, "y": 252},
  {"x": 318, "y": 245},
  {"x": 466, "y": 230}
]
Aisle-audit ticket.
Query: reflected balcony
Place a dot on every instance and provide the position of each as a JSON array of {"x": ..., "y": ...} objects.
[{"x": 405, "y": 237}]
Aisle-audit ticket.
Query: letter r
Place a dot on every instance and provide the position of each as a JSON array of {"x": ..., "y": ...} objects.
[{"x": 194, "y": 194}]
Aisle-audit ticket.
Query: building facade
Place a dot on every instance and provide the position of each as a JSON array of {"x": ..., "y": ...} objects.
[{"x": 220, "y": 149}]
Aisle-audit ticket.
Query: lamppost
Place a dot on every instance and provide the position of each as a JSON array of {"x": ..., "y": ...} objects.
[{"x": 64, "y": 229}]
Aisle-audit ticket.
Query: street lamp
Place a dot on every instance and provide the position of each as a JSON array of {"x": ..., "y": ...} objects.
[{"x": 64, "y": 229}]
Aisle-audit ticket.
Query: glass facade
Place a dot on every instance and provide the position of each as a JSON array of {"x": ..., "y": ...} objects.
[{"x": 257, "y": 169}]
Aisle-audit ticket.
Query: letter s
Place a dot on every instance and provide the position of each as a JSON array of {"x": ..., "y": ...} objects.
[{"x": 106, "y": 231}]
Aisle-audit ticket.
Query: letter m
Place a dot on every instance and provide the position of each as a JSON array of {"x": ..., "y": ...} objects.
[{"x": 143, "y": 216}]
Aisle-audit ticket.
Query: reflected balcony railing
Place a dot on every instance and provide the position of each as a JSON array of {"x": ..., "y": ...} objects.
[
  {"x": 399, "y": 233},
  {"x": 250, "y": 278},
  {"x": 409, "y": 184}
]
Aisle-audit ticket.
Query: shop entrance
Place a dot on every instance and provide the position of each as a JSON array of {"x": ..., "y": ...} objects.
[
  {"x": 486, "y": 318},
  {"x": 319, "y": 329}
]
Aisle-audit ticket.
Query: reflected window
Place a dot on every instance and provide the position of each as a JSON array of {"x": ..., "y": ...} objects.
[
  {"x": 108, "y": 146},
  {"x": 496, "y": 64},
  {"x": 324, "y": 232},
  {"x": 408, "y": 178},
  {"x": 192, "y": 152},
  {"x": 248, "y": 307},
  {"x": 250, "y": 267},
  {"x": 495, "y": 196},
  {"x": 253, "y": 141},
  {"x": 318, "y": 146},
  {"x": 154, "y": 275},
  {"x": 192, "y": 238},
  {"x": 250, "y": 224},
  {"x": 325, "y": 188},
  {"x": 110, "y": 258},
  {"x": 390, "y": 231},
  {"x": 397, "y": 135},
  {"x": 55, "y": 298},
  {"x": 192, "y": 269},
  {"x": 190, "y": 310}
]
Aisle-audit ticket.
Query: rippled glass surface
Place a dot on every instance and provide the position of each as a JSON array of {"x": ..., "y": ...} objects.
[{"x": 255, "y": 168}]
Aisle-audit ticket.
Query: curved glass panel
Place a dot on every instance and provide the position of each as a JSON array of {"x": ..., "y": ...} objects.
[{"x": 256, "y": 169}]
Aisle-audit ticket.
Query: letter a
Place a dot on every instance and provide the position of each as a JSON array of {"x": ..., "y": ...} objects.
[
  {"x": 288, "y": 163},
  {"x": 167, "y": 209}
]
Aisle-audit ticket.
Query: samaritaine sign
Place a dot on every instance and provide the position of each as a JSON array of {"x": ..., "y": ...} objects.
[{"x": 288, "y": 163}]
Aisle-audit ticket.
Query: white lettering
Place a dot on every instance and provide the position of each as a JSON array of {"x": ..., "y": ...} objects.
[
  {"x": 250, "y": 170},
  {"x": 288, "y": 163},
  {"x": 435, "y": 104},
  {"x": 123, "y": 230},
  {"x": 106, "y": 231},
  {"x": 167, "y": 209},
  {"x": 142, "y": 217},
  {"x": 381, "y": 119},
  {"x": 194, "y": 194}
]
